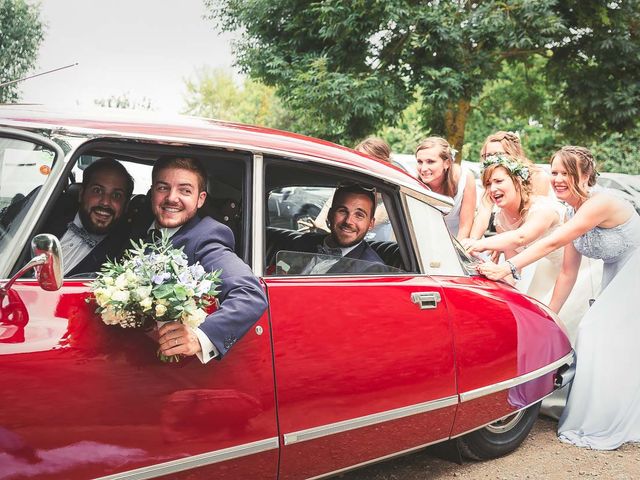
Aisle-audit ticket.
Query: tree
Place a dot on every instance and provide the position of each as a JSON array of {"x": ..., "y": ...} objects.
[
  {"x": 21, "y": 32},
  {"x": 354, "y": 66},
  {"x": 215, "y": 93},
  {"x": 124, "y": 101},
  {"x": 598, "y": 70}
]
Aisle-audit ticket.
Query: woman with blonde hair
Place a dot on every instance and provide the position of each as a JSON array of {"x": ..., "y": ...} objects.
[
  {"x": 603, "y": 410},
  {"x": 508, "y": 143},
  {"x": 438, "y": 171},
  {"x": 375, "y": 147}
]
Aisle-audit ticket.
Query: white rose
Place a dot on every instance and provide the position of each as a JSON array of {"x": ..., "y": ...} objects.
[
  {"x": 120, "y": 296},
  {"x": 111, "y": 317},
  {"x": 130, "y": 276},
  {"x": 143, "y": 292},
  {"x": 195, "y": 318},
  {"x": 101, "y": 297},
  {"x": 160, "y": 310},
  {"x": 146, "y": 304},
  {"x": 121, "y": 281},
  {"x": 107, "y": 280}
]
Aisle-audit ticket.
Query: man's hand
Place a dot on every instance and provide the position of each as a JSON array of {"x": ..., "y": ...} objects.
[{"x": 176, "y": 338}]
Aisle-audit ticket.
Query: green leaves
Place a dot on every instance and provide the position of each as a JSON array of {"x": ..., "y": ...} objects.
[
  {"x": 345, "y": 69},
  {"x": 21, "y": 32}
]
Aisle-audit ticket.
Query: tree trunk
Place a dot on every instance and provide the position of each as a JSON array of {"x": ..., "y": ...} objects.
[{"x": 455, "y": 121}]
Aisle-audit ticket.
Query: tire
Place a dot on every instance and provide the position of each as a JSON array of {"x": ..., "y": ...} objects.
[{"x": 499, "y": 438}]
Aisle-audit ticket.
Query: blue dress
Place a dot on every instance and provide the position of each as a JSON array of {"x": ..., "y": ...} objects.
[{"x": 603, "y": 409}]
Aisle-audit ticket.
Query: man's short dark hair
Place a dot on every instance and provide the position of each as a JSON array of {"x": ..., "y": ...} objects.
[
  {"x": 107, "y": 163},
  {"x": 355, "y": 188},
  {"x": 186, "y": 163}
]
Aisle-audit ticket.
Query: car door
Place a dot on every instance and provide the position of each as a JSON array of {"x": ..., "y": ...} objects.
[
  {"x": 81, "y": 399},
  {"x": 364, "y": 363}
]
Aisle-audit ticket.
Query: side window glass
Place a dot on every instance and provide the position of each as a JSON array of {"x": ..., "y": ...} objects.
[
  {"x": 24, "y": 168},
  {"x": 433, "y": 241},
  {"x": 299, "y": 240},
  {"x": 300, "y": 208}
]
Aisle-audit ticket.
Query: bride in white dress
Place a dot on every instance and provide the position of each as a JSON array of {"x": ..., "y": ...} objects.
[
  {"x": 521, "y": 219},
  {"x": 603, "y": 410}
]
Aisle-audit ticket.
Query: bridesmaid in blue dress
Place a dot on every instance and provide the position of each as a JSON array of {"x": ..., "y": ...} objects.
[{"x": 603, "y": 409}]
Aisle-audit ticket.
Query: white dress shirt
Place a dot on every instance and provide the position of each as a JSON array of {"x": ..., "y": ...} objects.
[{"x": 74, "y": 248}]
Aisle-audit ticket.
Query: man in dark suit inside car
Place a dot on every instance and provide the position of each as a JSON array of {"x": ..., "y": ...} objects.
[
  {"x": 350, "y": 217},
  {"x": 177, "y": 192},
  {"x": 95, "y": 231}
]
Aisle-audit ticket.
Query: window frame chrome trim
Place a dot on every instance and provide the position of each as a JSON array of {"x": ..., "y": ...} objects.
[
  {"x": 257, "y": 226},
  {"x": 367, "y": 420},
  {"x": 469, "y": 395},
  {"x": 196, "y": 461}
]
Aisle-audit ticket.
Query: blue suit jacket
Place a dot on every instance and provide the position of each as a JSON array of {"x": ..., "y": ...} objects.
[{"x": 242, "y": 298}]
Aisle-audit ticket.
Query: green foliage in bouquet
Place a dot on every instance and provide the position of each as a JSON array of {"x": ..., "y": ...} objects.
[{"x": 154, "y": 282}]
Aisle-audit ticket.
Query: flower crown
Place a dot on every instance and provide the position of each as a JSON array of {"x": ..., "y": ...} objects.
[{"x": 515, "y": 167}]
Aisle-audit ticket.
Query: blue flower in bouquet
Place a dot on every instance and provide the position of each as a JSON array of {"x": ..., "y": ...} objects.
[{"x": 154, "y": 282}]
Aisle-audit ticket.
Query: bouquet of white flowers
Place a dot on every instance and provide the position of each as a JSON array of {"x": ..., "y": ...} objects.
[{"x": 154, "y": 283}]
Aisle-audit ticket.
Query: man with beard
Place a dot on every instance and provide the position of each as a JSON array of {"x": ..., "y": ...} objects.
[
  {"x": 178, "y": 190},
  {"x": 96, "y": 232},
  {"x": 351, "y": 216}
]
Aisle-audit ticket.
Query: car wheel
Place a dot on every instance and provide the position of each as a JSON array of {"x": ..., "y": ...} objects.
[{"x": 499, "y": 438}]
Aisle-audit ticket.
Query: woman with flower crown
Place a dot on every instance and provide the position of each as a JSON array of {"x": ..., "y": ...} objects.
[
  {"x": 521, "y": 219},
  {"x": 508, "y": 143},
  {"x": 438, "y": 171},
  {"x": 603, "y": 409}
]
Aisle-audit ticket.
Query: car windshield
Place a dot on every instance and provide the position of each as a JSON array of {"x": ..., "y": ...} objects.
[{"x": 24, "y": 167}]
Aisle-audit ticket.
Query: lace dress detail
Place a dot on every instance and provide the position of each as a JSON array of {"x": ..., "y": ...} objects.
[{"x": 611, "y": 245}]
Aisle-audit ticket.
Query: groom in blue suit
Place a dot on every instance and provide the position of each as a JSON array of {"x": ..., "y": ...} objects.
[{"x": 177, "y": 191}]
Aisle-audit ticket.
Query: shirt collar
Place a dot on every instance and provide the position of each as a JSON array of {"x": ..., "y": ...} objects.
[
  {"x": 345, "y": 250},
  {"x": 169, "y": 232}
]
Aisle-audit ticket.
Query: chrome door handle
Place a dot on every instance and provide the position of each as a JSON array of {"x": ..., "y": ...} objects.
[{"x": 426, "y": 300}]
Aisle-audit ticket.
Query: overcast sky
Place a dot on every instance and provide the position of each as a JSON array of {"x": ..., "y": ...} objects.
[{"x": 141, "y": 47}]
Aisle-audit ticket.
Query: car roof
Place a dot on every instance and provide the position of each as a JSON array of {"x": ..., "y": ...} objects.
[{"x": 152, "y": 125}]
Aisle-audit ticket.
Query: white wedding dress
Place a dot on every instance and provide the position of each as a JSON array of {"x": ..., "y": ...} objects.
[{"x": 603, "y": 409}]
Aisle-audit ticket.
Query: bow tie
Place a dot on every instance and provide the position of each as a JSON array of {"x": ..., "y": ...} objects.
[
  {"x": 83, "y": 234},
  {"x": 324, "y": 250}
]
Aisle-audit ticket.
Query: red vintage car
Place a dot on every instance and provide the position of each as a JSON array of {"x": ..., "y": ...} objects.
[{"x": 340, "y": 371}]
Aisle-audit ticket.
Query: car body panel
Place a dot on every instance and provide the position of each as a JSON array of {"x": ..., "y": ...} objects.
[
  {"x": 364, "y": 349},
  {"x": 97, "y": 397}
]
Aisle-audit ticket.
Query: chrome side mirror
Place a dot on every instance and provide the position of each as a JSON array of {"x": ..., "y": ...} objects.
[{"x": 47, "y": 261}]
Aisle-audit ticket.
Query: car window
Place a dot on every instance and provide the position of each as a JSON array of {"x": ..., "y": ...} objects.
[
  {"x": 24, "y": 168},
  {"x": 433, "y": 240},
  {"x": 300, "y": 263},
  {"x": 298, "y": 200}
]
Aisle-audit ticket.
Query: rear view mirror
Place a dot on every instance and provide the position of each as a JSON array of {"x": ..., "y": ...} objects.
[{"x": 47, "y": 262}]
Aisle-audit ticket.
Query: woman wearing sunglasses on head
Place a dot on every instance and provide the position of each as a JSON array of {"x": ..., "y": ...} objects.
[{"x": 603, "y": 410}]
